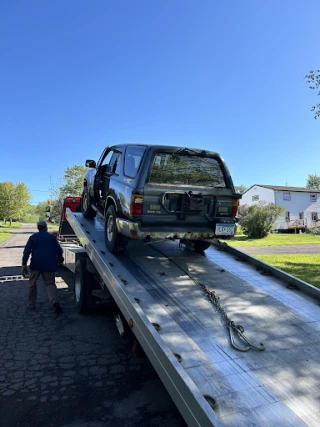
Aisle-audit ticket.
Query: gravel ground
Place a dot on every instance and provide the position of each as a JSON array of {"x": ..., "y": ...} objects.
[{"x": 69, "y": 370}]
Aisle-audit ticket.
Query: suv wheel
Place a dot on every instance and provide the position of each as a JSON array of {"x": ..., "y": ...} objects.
[
  {"x": 115, "y": 242},
  {"x": 86, "y": 208},
  {"x": 200, "y": 246}
]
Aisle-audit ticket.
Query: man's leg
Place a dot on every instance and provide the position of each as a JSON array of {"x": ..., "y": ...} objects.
[
  {"x": 50, "y": 283},
  {"x": 32, "y": 291}
]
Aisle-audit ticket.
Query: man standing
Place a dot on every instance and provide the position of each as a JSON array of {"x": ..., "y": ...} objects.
[{"x": 46, "y": 253}]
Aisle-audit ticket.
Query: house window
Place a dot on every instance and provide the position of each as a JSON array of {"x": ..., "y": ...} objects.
[
  {"x": 287, "y": 216},
  {"x": 301, "y": 215},
  {"x": 313, "y": 197},
  {"x": 286, "y": 196},
  {"x": 255, "y": 198},
  {"x": 314, "y": 216}
]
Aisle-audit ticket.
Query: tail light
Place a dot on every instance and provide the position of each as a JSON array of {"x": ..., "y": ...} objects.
[
  {"x": 136, "y": 204},
  {"x": 235, "y": 206}
]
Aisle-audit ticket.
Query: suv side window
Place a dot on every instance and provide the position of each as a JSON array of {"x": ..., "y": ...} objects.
[
  {"x": 114, "y": 165},
  {"x": 132, "y": 161},
  {"x": 107, "y": 159}
]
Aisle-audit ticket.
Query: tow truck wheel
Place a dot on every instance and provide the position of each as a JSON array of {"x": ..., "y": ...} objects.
[
  {"x": 115, "y": 242},
  {"x": 86, "y": 208},
  {"x": 200, "y": 246},
  {"x": 81, "y": 281}
]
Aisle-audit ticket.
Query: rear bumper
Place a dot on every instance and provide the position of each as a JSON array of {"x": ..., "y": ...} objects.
[{"x": 132, "y": 230}]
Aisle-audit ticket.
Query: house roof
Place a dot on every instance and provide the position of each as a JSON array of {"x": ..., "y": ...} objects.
[{"x": 285, "y": 188}]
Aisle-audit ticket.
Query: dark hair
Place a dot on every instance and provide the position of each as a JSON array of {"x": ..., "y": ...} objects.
[{"x": 42, "y": 227}]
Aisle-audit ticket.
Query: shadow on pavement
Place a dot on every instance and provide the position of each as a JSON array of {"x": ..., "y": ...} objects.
[{"x": 11, "y": 247}]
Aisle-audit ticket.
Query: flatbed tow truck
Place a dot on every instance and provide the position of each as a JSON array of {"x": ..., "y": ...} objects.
[{"x": 185, "y": 309}]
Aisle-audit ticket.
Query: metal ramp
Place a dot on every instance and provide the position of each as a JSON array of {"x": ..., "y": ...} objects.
[{"x": 182, "y": 334}]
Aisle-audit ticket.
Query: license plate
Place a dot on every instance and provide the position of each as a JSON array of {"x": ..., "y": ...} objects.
[{"x": 224, "y": 229}]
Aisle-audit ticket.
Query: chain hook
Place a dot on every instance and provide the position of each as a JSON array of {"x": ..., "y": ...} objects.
[{"x": 238, "y": 329}]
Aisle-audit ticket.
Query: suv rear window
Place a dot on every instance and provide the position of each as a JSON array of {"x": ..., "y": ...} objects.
[{"x": 186, "y": 170}]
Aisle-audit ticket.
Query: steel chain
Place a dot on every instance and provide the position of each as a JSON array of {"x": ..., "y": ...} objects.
[
  {"x": 232, "y": 327},
  {"x": 234, "y": 330}
]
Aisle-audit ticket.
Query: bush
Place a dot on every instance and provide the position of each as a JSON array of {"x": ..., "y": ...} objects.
[
  {"x": 30, "y": 218},
  {"x": 239, "y": 231},
  {"x": 257, "y": 220}
]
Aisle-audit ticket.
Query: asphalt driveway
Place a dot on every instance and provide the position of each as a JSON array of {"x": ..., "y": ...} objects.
[{"x": 69, "y": 370}]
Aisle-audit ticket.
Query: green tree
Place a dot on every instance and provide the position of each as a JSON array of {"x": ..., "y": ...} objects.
[
  {"x": 7, "y": 204},
  {"x": 41, "y": 210},
  {"x": 257, "y": 220},
  {"x": 70, "y": 184},
  {"x": 240, "y": 188},
  {"x": 22, "y": 199},
  {"x": 313, "y": 79},
  {"x": 72, "y": 181},
  {"x": 313, "y": 182},
  {"x": 14, "y": 200},
  {"x": 55, "y": 211},
  {"x": 30, "y": 215}
]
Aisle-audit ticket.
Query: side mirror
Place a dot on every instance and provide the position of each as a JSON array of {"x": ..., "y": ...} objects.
[{"x": 90, "y": 164}]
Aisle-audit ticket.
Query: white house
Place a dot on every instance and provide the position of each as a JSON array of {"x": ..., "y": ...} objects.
[{"x": 302, "y": 204}]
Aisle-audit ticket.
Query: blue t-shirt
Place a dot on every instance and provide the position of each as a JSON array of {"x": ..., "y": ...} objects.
[{"x": 45, "y": 252}]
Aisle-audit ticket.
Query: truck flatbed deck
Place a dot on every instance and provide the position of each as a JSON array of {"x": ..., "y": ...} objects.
[{"x": 159, "y": 289}]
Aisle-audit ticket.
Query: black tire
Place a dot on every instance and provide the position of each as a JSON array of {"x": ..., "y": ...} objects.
[
  {"x": 200, "y": 246},
  {"x": 85, "y": 283},
  {"x": 86, "y": 208},
  {"x": 115, "y": 242},
  {"x": 81, "y": 281}
]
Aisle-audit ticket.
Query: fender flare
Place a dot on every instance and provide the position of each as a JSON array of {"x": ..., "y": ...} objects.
[{"x": 113, "y": 202}]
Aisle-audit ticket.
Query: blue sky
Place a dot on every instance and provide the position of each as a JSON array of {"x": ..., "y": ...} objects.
[{"x": 76, "y": 76}]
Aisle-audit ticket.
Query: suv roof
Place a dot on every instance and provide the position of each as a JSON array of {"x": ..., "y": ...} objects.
[{"x": 169, "y": 148}]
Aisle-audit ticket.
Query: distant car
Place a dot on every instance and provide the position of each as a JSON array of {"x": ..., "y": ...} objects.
[{"x": 160, "y": 192}]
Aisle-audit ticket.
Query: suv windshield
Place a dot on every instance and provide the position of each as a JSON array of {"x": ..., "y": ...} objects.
[{"x": 186, "y": 169}]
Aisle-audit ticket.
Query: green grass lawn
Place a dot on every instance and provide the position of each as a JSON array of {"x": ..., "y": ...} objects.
[
  {"x": 305, "y": 267},
  {"x": 5, "y": 230},
  {"x": 275, "y": 240},
  {"x": 53, "y": 227}
]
